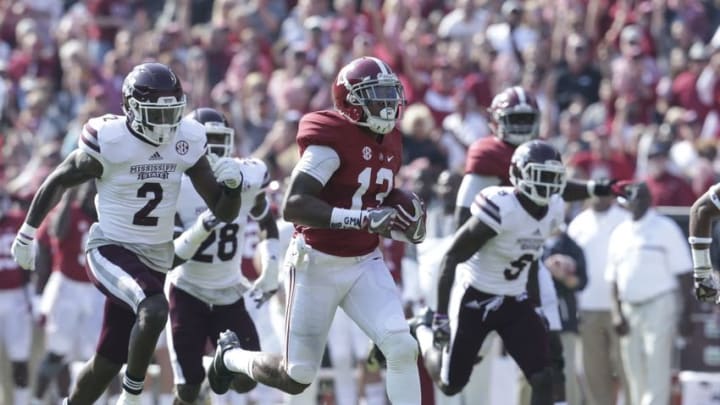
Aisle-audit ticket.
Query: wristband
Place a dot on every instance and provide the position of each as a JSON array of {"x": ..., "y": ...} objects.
[
  {"x": 27, "y": 231},
  {"x": 702, "y": 267},
  {"x": 591, "y": 188},
  {"x": 698, "y": 240},
  {"x": 342, "y": 218}
]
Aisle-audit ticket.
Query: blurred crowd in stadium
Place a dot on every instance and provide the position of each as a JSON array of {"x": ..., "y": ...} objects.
[{"x": 627, "y": 89}]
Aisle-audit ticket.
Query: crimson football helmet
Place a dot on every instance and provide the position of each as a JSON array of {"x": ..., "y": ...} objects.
[
  {"x": 537, "y": 171},
  {"x": 369, "y": 94},
  {"x": 220, "y": 136},
  {"x": 153, "y": 101},
  {"x": 514, "y": 115}
]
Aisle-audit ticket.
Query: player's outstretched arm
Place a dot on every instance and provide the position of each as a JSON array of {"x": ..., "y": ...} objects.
[
  {"x": 302, "y": 206},
  {"x": 470, "y": 238},
  {"x": 222, "y": 200},
  {"x": 77, "y": 168}
]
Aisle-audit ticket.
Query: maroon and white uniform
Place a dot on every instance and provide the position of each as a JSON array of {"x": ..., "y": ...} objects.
[
  {"x": 70, "y": 301},
  {"x": 15, "y": 313},
  {"x": 487, "y": 164},
  {"x": 342, "y": 268}
]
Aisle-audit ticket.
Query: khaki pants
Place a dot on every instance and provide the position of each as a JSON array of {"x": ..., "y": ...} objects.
[
  {"x": 573, "y": 394},
  {"x": 647, "y": 349},
  {"x": 601, "y": 359}
]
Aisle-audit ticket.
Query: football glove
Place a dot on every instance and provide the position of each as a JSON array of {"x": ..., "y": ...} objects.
[
  {"x": 227, "y": 171},
  {"x": 413, "y": 226},
  {"x": 706, "y": 289},
  {"x": 267, "y": 284},
  {"x": 23, "y": 248},
  {"x": 380, "y": 220},
  {"x": 441, "y": 330}
]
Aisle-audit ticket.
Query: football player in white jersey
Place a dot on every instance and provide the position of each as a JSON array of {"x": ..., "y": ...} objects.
[
  {"x": 136, "y": 161},
  {"x": 491, "y": 254},
  {"x": 206, "y": 289},
  {"x": 704, "y": 211}
]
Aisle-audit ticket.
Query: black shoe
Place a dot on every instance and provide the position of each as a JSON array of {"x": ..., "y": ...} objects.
[{"x": 219, "y": 377}]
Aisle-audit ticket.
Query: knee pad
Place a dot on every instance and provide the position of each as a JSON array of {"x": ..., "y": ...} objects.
[
  {"x": 154, "y": 310},
  {"x": 399, "y": 348}
]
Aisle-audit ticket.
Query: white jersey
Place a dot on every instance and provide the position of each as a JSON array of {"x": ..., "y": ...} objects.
[
  {"x": 216, "y": 265},
  {"x": 501, "y": 266},
  {"x": 137, "y": 193}
]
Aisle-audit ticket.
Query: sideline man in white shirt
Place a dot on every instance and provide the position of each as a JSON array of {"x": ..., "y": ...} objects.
[
  {"x": 646, "y": 266},
  {"x": 591, "y": 230}
]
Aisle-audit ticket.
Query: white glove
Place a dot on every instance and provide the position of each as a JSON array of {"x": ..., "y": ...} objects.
[
  {"x": 23, "y": 247},
  {"x": 254, "y": 172},
  {"x": 227, "y": 171},
  {"x": 379, "y": 220},
  {"x": 267, "y": 284},
  {"x": 187, "y": 244}
]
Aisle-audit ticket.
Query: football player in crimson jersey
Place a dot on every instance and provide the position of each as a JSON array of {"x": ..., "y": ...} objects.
[
  {"x": 15, "y": 307},
  {"x": 491, "y": 254},
  {"x": 136, "y": 161},
  {"x": 70, "y": 301},
  {"x": 206, "y": 288},
  {"x": 349, "y": 159},
  {"x": 514, "y": 119}
]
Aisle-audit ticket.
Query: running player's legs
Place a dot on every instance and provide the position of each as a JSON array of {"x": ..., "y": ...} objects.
[
  {"x": 236, "y": 318},
  {"x": 374, "y": 304},
  {"x": 187, "y": 333}
]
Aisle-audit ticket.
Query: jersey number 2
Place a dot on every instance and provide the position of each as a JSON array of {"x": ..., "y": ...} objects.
[
  {"x": 382, "y": 176},
  {"x": 519, "y": 264},
  {"x": 142, "y": 217}
]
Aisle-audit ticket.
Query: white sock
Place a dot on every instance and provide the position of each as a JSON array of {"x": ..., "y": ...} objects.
[
  {"x": 240, "y": 361},
  {"x": 21, "y": 395},
  {"x": 424, "y": 335},
  {"x": 375, "y": 394}
]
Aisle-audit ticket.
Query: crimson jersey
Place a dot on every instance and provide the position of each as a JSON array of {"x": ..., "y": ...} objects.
[
  {"x": 11, "y": 275},
  {"x": 489, "y": 156},
  {"x": 68, "y": 252},
  {"x": 365, "y": 176}
]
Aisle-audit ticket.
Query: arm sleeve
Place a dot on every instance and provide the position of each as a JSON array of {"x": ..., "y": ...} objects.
[
  {"x": 320, "y": 162},
  {"x": 471, "y": 185}
]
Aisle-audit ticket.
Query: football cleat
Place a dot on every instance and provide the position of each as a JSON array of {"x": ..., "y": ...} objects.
[{"x": 219, "y": 377}]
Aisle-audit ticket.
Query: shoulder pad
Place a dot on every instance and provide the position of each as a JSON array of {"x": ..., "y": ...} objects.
[{"x": 320, "y": 128}]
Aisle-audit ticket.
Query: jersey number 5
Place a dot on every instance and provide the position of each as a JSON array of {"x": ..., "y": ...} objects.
[
  {"x": 519, "y": 265},
  {"x": 142, "y": 217},
  {"x": 383, "y": 176}
]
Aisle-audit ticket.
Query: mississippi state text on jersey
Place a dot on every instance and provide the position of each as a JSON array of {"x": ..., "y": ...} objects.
[
  {"x": 365, "y": 176},
  {"x": 138, "y": 190},
  {"x": 501, "y": 266}
]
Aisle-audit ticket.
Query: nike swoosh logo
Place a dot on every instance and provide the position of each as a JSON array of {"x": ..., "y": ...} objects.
[
  {"x": 390, "y": 158},
  {"x": 375, "y": 224}
]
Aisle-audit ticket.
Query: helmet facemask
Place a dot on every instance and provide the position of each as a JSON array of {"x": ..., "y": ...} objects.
[
  {"x": 516, "y": 127},
  {"x": 158, "y": 120},
  {"x": 220, "y": 139},
  {"x": 384, "y": 95},
  {"x": 539, "y": 181}
]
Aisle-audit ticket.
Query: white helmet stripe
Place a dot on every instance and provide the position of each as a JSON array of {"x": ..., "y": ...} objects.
[
  {"x": 381, "y": 65},
  {"x": 521, "y": 94}
]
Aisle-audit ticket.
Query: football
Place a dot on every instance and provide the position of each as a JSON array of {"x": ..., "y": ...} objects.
[{"x": 404, "y": 199}]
